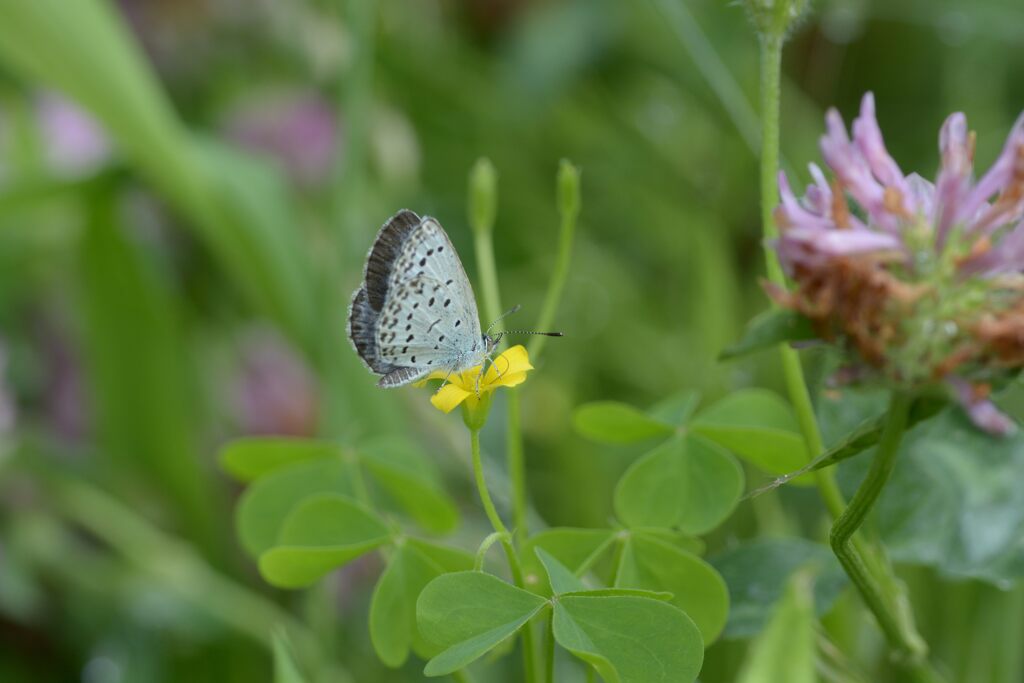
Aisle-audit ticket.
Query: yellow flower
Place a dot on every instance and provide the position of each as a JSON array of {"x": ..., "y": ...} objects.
[{"x": 507, "y": 370}]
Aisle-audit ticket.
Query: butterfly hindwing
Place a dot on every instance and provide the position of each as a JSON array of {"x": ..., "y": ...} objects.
[{"x": 416, "y": 312}]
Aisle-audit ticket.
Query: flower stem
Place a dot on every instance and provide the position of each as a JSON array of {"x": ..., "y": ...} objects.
[
  {"x": 901, "y": 636},
  {"x": 529, "y": 656},
  {"x": 883, "y": 594},
  {"x": 516, "y": 462},
  {"x": 549, "y": 649},
  {"x": 771, "y": 89}
]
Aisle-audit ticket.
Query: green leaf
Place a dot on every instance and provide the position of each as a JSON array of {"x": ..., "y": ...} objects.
[
  {"x": 955, "y": 501},
  {"x": 785, "y": 650},
  {"x": 759, "y": 426},
  {"x": 867, "y": 433},
  {"x": 768, "y": 330},
  {"x": 573, "y": 548},
  {"x": 321, "y": 534},
  {"x": 676, "y": 409},
  {"x": 264, "y": 505},
  {"x": 448, "y": 558},
  {"x": 408, "y": 478},
  {"x": 686, "y": 482},
  {"x": 393, "y": 605},
  {"x": 468, "y": 613},
  {"x": 611, "y": 422},
  {"x": 685, "y": 542},
  {"x": 250, "y": 458},
  {"x": 285, "y": 668},
  {"x": 696, "y": 587},
  {"x": 630, "y": 639},
  {"x": 562, "y": 580},
  {"x": 757, "y": 573},
  {"x": 663, "y": 596}
]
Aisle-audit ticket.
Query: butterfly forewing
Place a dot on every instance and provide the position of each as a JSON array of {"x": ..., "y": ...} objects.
[{"x": 416, "y": 312}]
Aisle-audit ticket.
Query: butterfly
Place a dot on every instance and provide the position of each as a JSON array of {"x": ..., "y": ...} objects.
[{"x": 415, "y": 312}]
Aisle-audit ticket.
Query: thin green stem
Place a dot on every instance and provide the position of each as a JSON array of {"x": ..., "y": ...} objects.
[
  {"x": 559, "y": 276},
  {"x": 904, "y": 641},
  {"x": 529, "y": 655},
  {"x": 488, "y": 272},
  {"x": 771, "y": 93},
  {"x": 549, "y": 649},
  {"x": 873, "y": 577},
  {"x": 516, "y": 459},
  {"x": 481, "y": 552}
]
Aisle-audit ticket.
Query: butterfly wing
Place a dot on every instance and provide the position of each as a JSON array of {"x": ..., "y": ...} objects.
[{"x": 416, "y": 312}]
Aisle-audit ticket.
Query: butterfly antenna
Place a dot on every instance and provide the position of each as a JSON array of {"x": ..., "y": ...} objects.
[
  {"x": 543, "y": 334},
  {"x": 502, "y": 317}
]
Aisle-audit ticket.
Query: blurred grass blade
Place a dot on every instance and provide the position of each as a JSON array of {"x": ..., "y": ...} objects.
[
  {"x": 134, "y": 353},
  {"x": 785, "y": 650},
  {"x": 84, "y": 49}
]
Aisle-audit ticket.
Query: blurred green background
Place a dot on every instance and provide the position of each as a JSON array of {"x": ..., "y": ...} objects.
[{"x": 188, "y": 189}]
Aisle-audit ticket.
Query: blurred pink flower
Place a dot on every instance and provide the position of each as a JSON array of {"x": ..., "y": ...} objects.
[
  {"x": 74, "y": 144},
  {"x": 297, "y": 129},
  {"x": 274, "y": 392},
  {"x": 922, "y": 280}
]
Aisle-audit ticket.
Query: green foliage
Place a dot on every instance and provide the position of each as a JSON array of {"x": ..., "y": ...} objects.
[
  {"x": 249, "y": 459},
  {"x": 768, "y": 330},
  {"x": 755, "y": 424},
  {"x": 629, "y": 639},
  {"x": 285, "y": 668},
  {"x": 686, "y": 482},
  {"x": 612, "y": 422},
  {"x": 468, "y": 613},
  {"x": 139, "y": 378},
  {"x": 758, "y": 426},
  {"x": 953, "y": 502},
  {"x": 407, "y": 477},
  {"x": 757, "y": 573},
  {"x": 576, "y": 549},
  {"x": 268, "y": 501},
  {"x": 393, "y": 628},
  {"x": 235, "y": 206},
  {"x": 285, "y": 472},
  {"x": 320, "y": 534},
  {"x": 696, "y": 588},
  {"x": 785, "y": 650},
  {"x": 560, "y": 578}
]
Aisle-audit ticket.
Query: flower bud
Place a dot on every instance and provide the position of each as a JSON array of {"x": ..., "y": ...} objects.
[{"x": 483, "y": 196}]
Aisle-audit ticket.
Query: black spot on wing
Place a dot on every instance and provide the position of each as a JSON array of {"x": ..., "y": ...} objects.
[{"x": 386, "y": 248}]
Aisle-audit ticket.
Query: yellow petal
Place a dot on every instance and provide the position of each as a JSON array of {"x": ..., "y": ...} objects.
[
  {"x": 449, "y": 397},
  {"x": 514, "y": 361},
  {"x": 510, "y": 380}
]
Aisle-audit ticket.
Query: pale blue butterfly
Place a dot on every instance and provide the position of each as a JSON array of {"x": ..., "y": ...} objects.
[{"x": 415, "y": 311}]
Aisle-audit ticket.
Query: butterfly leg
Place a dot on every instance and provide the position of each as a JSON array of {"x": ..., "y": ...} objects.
[
  {"x": 483, "y": 370},
  {"x": 450, "y": 371}
]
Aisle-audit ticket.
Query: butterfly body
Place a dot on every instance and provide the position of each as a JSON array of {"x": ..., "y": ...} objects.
[{"x": 415, "y": 312}]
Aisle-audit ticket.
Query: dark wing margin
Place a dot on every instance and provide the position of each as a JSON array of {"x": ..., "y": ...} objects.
[
  {"x": 400, "y": 376},
  {"x": 362, "y": 330},
  {"x": 385, "y": 251}
]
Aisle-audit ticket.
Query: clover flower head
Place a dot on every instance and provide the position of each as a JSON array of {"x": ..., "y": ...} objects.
[
  {"x": 921, "y": 280},
  {"x": 507, "y": 370}
]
